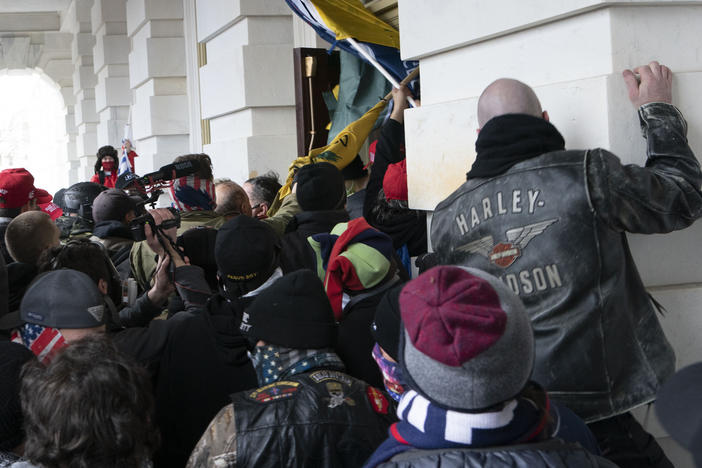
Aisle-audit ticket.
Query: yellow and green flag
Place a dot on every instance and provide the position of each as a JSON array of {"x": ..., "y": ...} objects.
[{"x": 339, "y": 152}]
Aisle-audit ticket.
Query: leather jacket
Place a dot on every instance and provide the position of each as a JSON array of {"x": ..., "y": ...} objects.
[
  {"x": 553, "y": 453},
  {"x": 552, "y": 227},
  {"x": 321, "y": 418}
]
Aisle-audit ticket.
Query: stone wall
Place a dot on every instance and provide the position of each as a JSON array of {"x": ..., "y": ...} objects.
[{"x": 246, "y": 91}]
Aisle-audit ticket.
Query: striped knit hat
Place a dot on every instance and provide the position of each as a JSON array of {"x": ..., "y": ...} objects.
[
  {"x": 353, "y": 256},
  {"x": 193, "y": 193}
]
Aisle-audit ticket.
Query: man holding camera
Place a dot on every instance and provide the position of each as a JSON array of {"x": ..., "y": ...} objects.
[
  {"x": 194, "y": 197},
  {"x": 112, "y": 211}
]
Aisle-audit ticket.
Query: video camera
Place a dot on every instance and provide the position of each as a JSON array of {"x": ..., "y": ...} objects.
[
  {"x": 136, "y": 226},
  {"x": 150, "y": 187},
  {"x": 162, "y": 178}
]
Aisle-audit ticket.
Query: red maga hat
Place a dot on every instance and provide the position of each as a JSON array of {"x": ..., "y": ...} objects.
[{"x": 16, "y": 187}]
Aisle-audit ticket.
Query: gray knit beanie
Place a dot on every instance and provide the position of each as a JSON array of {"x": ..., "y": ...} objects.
[{"x": 467, "y": 342}]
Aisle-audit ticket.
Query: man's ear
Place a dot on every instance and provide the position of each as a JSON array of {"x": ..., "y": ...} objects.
[
  {"x": 102, "y": 286},
  {"x": 265, "y": 209},
  {"x": 545, "y": 116},
  {"x": 477, "y": 130}
]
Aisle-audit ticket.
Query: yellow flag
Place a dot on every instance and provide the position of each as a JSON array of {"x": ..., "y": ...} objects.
[
  {"x": 349, "y": 18},
  {"x": 339, "y": 152}
]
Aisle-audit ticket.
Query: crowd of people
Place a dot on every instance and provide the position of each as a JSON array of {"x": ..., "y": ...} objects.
[{"x": 222, "y": 332}]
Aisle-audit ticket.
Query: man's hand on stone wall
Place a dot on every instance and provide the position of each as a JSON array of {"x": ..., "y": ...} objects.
[{"x": 655, "y": 84}]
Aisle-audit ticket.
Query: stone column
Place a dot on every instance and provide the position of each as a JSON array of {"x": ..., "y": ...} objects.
[
  {"x": 572, "y": 53},
  {"x": 86, "y": 119},
  {"x": 111, "y": 65},
  {"x": 158, "y": 82},
  {"x": 246, "y": 85}
]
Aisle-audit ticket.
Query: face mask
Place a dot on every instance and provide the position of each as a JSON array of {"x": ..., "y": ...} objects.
[
  {"x": 392, "y": 374},
  {"x": 108, "y": 166},
  {"x": 43, "y": 341}
]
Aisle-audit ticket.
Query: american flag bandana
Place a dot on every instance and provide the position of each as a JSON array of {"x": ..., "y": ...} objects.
[
  {"x": 43, "y": 341},
  {"x": 191, "y": 193}
]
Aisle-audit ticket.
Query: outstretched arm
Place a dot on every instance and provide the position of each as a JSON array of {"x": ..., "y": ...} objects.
[
  {"x": 387, "y": 152},
  {"x": 665, "y": 195}
]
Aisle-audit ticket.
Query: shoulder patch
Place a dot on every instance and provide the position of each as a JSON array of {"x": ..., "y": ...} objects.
[
  {"x": 377, "y": 400},
  {"x": 322, "y": 375},
  {"x": 275, "y": 391}
]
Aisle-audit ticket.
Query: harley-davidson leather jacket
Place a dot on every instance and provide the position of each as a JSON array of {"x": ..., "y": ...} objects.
[{"x": 552, "y": 227}]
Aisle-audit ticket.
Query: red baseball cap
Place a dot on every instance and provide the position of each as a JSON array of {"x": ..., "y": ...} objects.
[
  {"x": 42, "y": 196},
  {"x": 52, "y": 209},
  {"x": 16, "y": 187}
]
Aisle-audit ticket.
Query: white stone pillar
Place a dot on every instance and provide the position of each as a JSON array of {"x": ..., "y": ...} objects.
[
  {"x": 111, "y": 65},
  {"x": 246, "y": 85},
  {"x": 158, "y": 81},
  {"x": 572, "y": 53},
  {"x": 78, "y": 14}
]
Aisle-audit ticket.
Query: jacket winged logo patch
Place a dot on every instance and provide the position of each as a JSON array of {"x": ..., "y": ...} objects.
[{"x": 504, "y": 254}]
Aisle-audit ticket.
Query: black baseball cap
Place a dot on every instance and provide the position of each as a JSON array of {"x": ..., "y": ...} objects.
[
  {"x": 113, "y": 204},
  {"x": 246, "y": 252},
  {"x": 63, "y": 299}
]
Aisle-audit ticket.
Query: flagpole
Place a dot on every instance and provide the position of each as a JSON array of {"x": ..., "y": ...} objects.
[
  {"x": 412, "y": 75},
  {"x": 378, "y": 66}
]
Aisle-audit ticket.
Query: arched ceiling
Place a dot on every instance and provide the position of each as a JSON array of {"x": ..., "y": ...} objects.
[{"x": 31, "y": 36}]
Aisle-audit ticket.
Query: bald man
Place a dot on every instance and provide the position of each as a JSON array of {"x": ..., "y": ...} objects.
[
  {"x": 231, "y": 199},
  {"x": 550, "y": 224}
]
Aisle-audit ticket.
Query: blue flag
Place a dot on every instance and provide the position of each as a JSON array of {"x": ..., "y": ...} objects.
[{"x": 338, "y": 20}]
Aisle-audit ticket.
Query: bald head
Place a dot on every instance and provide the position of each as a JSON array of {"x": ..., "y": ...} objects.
[
  {"x": 231, "y": 199},
  {"x": 507, "y": 96}
]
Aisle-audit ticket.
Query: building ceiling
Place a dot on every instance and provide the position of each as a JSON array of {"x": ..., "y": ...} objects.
[
  {"x": 32, "y": 6},
  {"x": 25, "y": 16}
]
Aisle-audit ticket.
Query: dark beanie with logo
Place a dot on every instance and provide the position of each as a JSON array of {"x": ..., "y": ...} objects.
[
  {"x": 467, "y": 342},
  {"x": 246, "y": 252},
  {"x": 293, "y": 312},
  {"x": 320, "y": 186}
]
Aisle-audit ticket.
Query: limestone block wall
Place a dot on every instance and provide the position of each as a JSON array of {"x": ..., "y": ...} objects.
[
  {"x": 246, "y": 94},
  {"x": 157, "y": 78},
  {"x": 111, "y": 66},
  {"x": 572, "y": 53}
]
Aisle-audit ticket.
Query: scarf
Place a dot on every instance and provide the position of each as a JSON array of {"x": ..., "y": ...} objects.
[
  {"x": 43, "y": 341},
  {"x": 273, "y": 363},
  {"x": 192, "y": 193},
  {"x": 508, "y": 139},
  {"x": 392, "y": 374},
  {"x": 353, "y": 256},
  {"x": 426, "y": 426}
]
